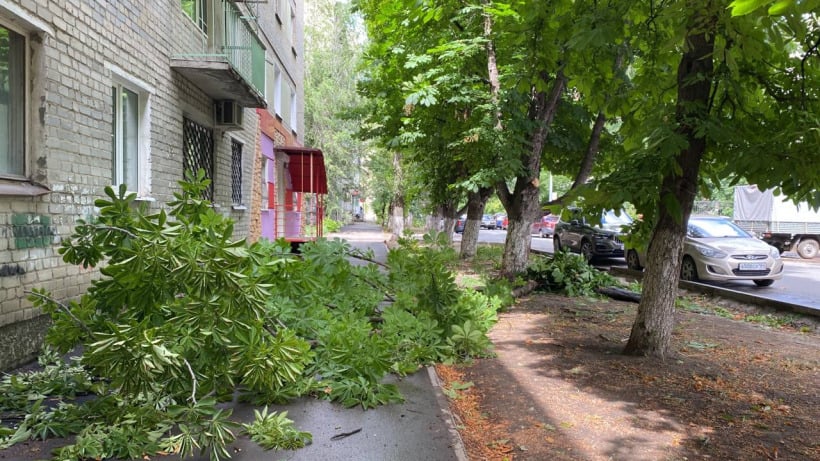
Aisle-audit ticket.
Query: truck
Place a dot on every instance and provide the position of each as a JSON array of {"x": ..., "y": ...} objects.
[{"x": 778, "y": 221}]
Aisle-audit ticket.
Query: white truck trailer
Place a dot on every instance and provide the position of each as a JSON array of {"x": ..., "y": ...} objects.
[{"x": 778, "y": 221}]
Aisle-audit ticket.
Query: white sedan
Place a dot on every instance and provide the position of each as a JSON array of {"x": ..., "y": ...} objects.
[{"x": 716, "y": 249}]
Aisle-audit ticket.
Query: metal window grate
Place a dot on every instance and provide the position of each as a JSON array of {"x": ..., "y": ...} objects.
[
  {"x": 236, "y": 172},
  {"x": 198, "y": 152}
]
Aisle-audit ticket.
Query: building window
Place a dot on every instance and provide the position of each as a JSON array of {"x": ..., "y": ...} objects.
[
  {"x": 293, "y": 26},
  {"x": 198, "y": 152},
  {"x": 197, "y": 10},
  {"x": 270, "y": 71},
  {"x": 288, "y": 112},
  {"x": 293, "y": 118},
  {"x": 236, "y": 172},
  {"x": 12, "y": 103},
  {"x": 277, "y": 91},
  {"x": 125, "y": 137},
  {"x": 130, "y": 131}
]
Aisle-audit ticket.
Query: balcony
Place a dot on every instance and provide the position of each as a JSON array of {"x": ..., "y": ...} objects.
[{"x": 230, "y": 61}]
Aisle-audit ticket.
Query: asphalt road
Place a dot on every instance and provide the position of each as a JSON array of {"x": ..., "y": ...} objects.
[{"x": 800, "y": 283}]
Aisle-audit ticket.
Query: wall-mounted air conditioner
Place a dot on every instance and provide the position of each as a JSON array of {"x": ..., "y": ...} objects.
[{"x": 228, "y": 115}]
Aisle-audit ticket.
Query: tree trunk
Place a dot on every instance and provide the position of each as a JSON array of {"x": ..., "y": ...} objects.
[
  {"x": 523, "y": 205},
  {"x": 448, "y": 211},
  {"x": 652, "y": 330},
  {"x": 396, "y": 219},
  {"x": 591, "y": 153},
  {"x": 517, "y": 246},
  {"x": 475, "y": 209},
  {"x": 396, "y": 225}
]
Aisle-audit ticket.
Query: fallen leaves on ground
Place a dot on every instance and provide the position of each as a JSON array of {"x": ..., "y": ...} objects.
[
  {"x": 559, "y": 389},
  {"x": 482, "y": 439}
]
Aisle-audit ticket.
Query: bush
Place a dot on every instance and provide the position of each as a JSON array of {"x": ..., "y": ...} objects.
[
  {"x": 330, "y": 225},
  {"x": 567, "y": 273}
]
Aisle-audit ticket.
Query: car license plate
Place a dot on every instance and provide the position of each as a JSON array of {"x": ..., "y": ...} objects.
[{"x": 752, "y": 266}]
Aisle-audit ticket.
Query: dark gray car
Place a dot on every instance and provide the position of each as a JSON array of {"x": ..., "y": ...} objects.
[{"x": 579, "y": 235}]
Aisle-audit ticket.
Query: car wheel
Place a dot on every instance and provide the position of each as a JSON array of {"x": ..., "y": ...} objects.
[
  {"x": 556, "y": 244},
  {"x": 633, "y": 261},
  {"x": 764, "y": 283},
  {"x": 688, "y": 269},
  {"x": 586, "y": 250},
  {"x": 807, "y": 249}
]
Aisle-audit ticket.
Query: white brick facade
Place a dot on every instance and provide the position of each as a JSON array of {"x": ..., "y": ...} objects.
[{"x": 76, "y": 50}]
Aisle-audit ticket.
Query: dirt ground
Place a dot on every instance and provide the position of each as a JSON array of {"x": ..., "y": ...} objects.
[{"x": 558, "y": 388}]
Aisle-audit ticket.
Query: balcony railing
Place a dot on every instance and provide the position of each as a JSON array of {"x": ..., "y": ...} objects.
[
  {"x": 231, "y": 61},
  {"x": 243, "y": 48}
]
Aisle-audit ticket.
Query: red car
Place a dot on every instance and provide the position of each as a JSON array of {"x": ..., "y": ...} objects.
[{"x": 545, "y": 227}]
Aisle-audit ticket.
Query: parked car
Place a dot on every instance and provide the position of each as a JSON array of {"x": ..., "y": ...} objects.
[
  {"x": 501, "y": 221},
  {"x": 717, "y": 249},
  {"x": 579, "y": 235},
  {"x": 545, "y": 226},
  {"x": 460, "y": 222},
  {"x": 488, "y": 222}
]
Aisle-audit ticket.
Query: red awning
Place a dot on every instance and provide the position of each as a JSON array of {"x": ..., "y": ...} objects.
[{"x": 307, "y": 169}]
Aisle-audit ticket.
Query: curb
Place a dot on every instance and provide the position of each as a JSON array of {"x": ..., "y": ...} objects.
[
  {"x": 458, "y": 444},
  {"x": 727, "y": 293}
]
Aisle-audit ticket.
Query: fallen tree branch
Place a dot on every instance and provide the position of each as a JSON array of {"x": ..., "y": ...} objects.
[
  {"x": 376, "y": 287},
  {"x": 64, "y": 308},
  {"x": 620, "y": 294},
  {"x": 525, "y": 290},
  {"x": 361, "y": 256},
  {"x": 193, "y": 378}
]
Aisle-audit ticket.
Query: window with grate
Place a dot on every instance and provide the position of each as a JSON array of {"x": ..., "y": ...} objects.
[
  {"x": 198, "y": 152},
  {"x": 236, "y": 172}
]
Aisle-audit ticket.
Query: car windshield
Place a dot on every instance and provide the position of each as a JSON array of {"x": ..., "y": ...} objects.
[
  {"x": 609, "y": 218},
  {"x": 715, "y": 228}
]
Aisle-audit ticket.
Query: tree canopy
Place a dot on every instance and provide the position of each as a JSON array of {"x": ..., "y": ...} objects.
[{"x": 643, "y": 103}]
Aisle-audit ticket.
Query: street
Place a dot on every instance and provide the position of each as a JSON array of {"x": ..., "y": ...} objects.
[{"x": 800, "y": 283}]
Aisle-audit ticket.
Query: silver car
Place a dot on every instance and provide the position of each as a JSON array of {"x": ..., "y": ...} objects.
[{"x": 716, "y": 249}]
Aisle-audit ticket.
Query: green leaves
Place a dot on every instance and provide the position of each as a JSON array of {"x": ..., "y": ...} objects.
[
  {"x": 777, "y": 7},
  {"x": 275, "y": 431},
  {"x": 183, "y": 315},
  {"x": 469, "y": 341},
  {"x": 203, "y": 427},
  {"x": 568, "y": 273}
]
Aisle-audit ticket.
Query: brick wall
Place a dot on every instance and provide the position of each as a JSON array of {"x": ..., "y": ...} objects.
[{"x": 77, "y": 49}]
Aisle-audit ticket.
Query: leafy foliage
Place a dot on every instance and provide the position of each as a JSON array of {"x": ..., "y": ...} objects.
[
  {"x": 275, "y": 430},
  {"x": 568, "y": 273},
  {"x": 184, "y": 315},
  {"x": 331, "y": 225}
]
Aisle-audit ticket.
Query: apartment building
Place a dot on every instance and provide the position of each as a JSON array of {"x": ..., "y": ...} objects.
[{"x": 106, "y": 92}]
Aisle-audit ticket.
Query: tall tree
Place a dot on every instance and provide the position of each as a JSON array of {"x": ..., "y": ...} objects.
[
  {"x": 736, "y": 89},
  {"x": 426, "y": 68},
  {"x": 652, "y": 329},
  {"x": 333, "y": 107},
  {"x": 743, "y": 102}
]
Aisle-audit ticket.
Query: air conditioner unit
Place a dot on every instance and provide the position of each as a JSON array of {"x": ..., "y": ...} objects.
[{"x": 228, "y": 115}]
